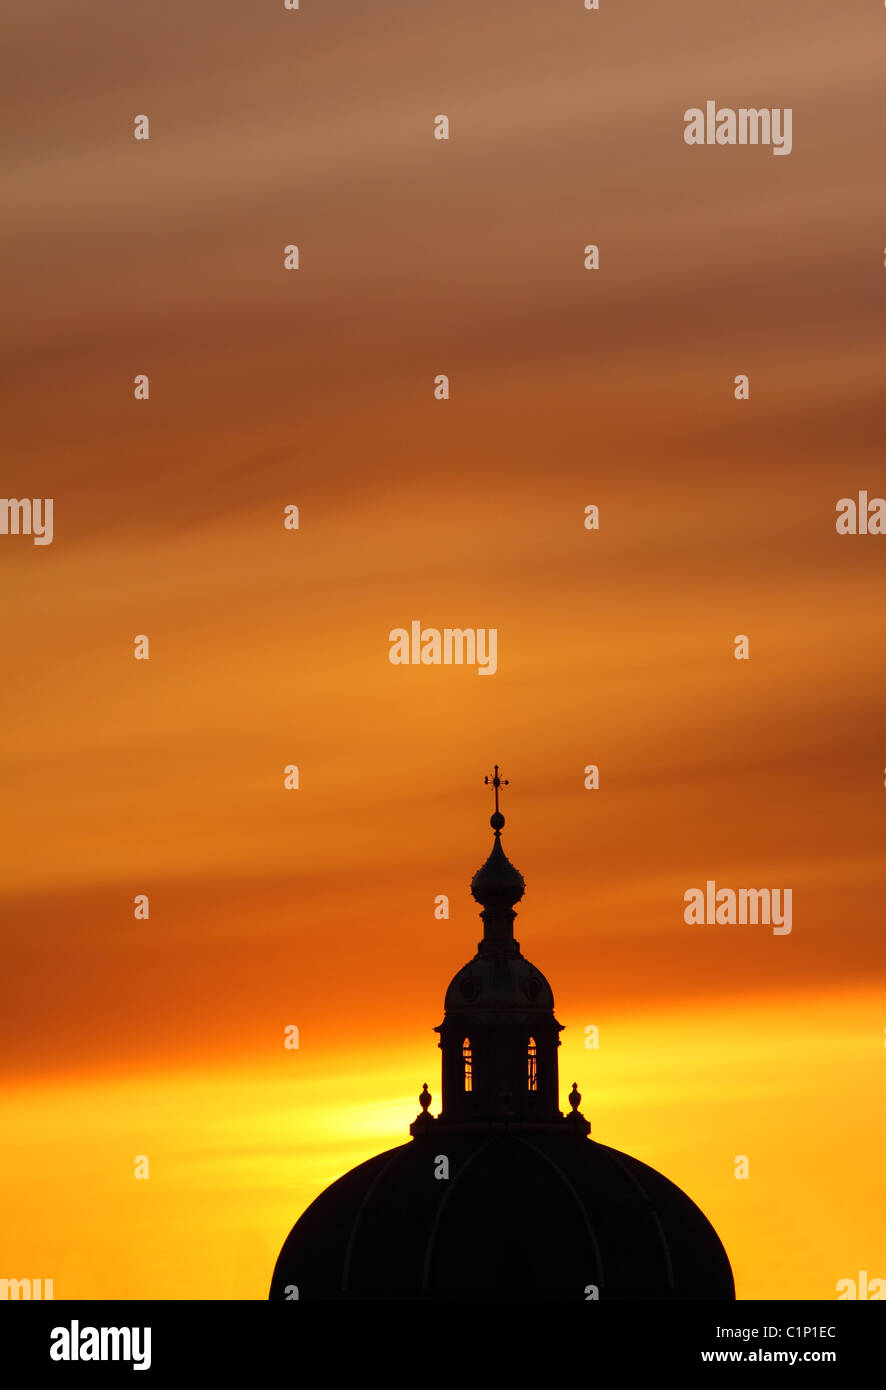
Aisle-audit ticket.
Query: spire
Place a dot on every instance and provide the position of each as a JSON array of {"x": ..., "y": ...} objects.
[
  {"x": 497, "y": 886},
  {"x": 499, "y": 1036}
]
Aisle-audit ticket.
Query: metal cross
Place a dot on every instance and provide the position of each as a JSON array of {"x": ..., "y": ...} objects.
[{"x": 495, "y": 781}]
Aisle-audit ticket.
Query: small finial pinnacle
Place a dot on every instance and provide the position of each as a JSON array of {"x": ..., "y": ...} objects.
[{"x": 496, "y": 820}]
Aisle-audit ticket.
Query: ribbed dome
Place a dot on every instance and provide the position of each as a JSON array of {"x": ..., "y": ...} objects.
[
  {"x": 519, "y": 1216},
  {"x": 493, "y": 981},
  {"x": 501, "y": 1195}
]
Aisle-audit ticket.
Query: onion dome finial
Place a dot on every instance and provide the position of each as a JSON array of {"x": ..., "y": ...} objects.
[{"x": 497, "y": 885}]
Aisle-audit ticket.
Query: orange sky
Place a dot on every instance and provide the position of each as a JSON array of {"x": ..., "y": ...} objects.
[{"x": 268, "y": 647}]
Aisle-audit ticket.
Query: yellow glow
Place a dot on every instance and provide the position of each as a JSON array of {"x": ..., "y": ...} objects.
[{"x": 236, "y": 1155}]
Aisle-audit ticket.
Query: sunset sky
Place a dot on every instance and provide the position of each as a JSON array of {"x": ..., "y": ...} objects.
[{"x": 270, "y": 647}]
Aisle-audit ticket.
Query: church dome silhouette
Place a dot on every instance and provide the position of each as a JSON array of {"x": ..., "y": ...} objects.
[
  {"x": 490, "y": 983},
  {"x": 501, "y": 1195}
]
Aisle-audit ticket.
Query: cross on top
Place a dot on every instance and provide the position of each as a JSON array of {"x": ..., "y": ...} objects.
[{"x": 496, "y": 782}]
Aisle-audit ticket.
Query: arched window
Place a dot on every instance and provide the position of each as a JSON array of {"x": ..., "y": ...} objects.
[
  {"x": 466, "y": 1062},
  {"x": 532, "y": 1070}
]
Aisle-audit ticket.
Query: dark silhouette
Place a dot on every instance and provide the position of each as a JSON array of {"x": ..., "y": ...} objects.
[{"x": 501, "y": 1196}]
